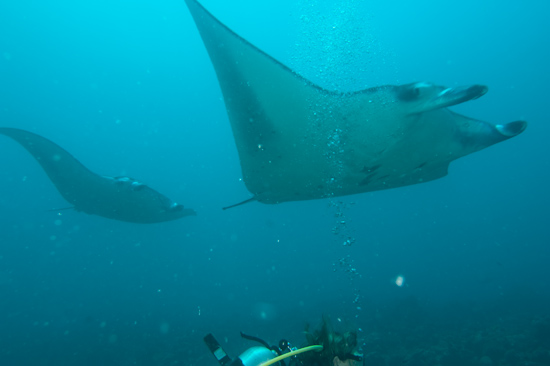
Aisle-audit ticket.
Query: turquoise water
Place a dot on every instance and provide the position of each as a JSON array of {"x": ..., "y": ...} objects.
[{"x": 128, "y": 89}]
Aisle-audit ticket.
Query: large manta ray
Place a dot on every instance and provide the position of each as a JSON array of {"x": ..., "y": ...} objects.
[
  {"x": 298, "y": 141},
  {"x": 118, "y": 198}
]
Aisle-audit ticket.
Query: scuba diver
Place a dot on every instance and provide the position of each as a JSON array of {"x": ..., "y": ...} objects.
[{"x": 324, "y": 347}]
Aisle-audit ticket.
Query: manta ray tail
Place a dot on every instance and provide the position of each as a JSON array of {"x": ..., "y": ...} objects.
[
  {"x": 240, "y": 203},
  {"x": 60, "y": 209}
]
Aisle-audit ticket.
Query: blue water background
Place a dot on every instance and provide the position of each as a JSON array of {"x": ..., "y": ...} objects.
[{"x": 127, "y": 87}]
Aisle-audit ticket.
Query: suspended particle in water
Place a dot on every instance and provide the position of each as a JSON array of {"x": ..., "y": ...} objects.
[{"x": 400, "y": 281}]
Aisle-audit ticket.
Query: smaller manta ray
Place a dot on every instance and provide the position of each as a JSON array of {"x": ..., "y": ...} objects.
[
  {"x": 118, "y": 198},
  {"x": 299, "y": 141}
]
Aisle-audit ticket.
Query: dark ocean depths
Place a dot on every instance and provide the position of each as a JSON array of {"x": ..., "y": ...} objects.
[{"x": 127, "y": 87}]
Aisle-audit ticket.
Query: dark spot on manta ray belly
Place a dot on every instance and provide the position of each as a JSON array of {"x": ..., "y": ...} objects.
[
  {"x": 371, "y": 169},
  {"x": 367, "y": 180},
  {"x": 371, "y": 173}
]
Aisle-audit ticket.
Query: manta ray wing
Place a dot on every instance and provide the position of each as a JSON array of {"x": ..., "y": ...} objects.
[{"x": 270, "y": 109}]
